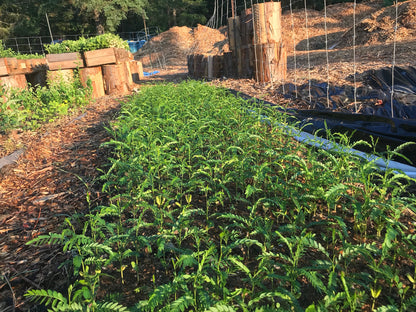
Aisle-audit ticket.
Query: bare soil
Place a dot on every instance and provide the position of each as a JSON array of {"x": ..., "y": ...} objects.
[{"x": 59, "y": 166}]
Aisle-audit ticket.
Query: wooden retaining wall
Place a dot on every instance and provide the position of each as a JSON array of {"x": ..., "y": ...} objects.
[{"x": 102, "y": 67}]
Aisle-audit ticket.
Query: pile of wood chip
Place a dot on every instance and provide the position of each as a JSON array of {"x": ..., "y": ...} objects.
[{"x": 171, "y": 47}]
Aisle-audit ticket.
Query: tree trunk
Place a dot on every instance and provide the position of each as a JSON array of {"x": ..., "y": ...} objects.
[
  {"x": 98, "y": 23},
  {"x": 174, "y": 16}
]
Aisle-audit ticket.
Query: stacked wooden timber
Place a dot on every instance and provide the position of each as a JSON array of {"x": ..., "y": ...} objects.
[
  {"x": 110, "y": 71},
  {"x": 12, "y": 72},
  {"x": 256, "y": 45}
]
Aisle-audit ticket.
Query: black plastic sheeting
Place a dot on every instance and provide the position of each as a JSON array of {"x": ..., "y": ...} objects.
[
  {"x": 373, "y": 122},
  {"x": 374, "y": 98},
  {"x": 388, "y": 133}
]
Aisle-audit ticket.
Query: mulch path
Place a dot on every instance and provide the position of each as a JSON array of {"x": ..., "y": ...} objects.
[{"x": 49, "y": 182}]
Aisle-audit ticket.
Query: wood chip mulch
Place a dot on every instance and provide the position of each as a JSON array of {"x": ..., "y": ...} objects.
[{"x": 49, "y": 182}]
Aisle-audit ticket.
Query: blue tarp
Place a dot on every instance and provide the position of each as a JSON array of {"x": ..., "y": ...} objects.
[
  {"x": 151, "y": 73},
  {"x": 136, "y": 45}
]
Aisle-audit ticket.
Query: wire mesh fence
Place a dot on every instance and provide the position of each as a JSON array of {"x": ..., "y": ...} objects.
[{"x": 36, "y": 44}]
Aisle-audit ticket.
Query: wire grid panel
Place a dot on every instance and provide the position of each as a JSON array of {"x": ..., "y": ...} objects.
[
  {"x": 36, "y": 44},
  {"x": 335, "y": 44}
]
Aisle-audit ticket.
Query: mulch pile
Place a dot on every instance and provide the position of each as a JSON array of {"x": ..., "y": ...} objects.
[
  {"x": 171, "y": 47},
  {"x": 380, "y": 26}
]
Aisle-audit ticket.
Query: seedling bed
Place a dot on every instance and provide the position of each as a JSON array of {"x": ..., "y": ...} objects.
[{"x": 208, "y": 201}]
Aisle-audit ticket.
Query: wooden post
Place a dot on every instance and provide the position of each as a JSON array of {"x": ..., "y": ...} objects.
[
  {"x": 234, "y": 35},
  {"x": 199, "y": 65},
  {"x": 136, "y": 71},
  {"x": 247, "y": 49},
  {"x": 128, "y": 76},
  {"x": 96, "y": 76},
  {"x": 229, "y": 65},
  {"x": 114, "y": 79},
  {"x": 207, "y": 66},
  {"x": 210, "y": 67},
  {"x": 140, "y": 70},
  {"x": 269, "y": 50},
  {"x": 218, "y": 66},
  {"x": 190, "y": 63}
]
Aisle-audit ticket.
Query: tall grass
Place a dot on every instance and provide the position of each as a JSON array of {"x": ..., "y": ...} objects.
[{"x": 214, "y": 209}]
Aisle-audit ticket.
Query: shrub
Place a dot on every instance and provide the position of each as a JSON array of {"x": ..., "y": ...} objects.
[{"x": 88, "y": 44}]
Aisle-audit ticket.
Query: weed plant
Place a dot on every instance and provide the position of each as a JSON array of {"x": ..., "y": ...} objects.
[
  {"x": 214, "y": 208},
  {"x": 32, "y": 107}
]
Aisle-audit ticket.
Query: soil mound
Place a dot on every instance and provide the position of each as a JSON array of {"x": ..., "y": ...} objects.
[
  {"x": 379, "y": 28},
  {"x": 172, "y": 46}
]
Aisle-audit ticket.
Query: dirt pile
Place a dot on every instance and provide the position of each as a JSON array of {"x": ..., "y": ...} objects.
[
  {"x": 171, "y": 47},
  {"x": 379, "y": 28}
]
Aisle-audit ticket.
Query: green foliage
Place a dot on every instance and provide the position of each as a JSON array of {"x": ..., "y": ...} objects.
[
  {"x": 89, "y": 44},
  {"x": 237, "y": 216},
  {"x": 59, "y": 303},
  {"x": 107, "y": 14},
  {"x": 30, "y": 108}
]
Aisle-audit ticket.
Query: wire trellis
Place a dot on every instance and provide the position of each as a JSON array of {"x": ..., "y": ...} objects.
[{"x": 297, "y": 64}]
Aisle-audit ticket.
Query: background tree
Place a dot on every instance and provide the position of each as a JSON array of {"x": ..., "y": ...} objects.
[
  {"x": 168, "y": 13},
  {"x": 8, "y": 17},
  {"x": 17, "y": 17},
  {"x": 107, "y": 14},
  {"x": 65, "y": 19}
]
